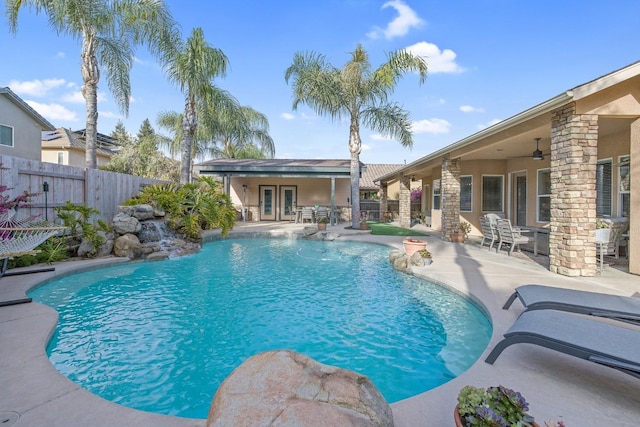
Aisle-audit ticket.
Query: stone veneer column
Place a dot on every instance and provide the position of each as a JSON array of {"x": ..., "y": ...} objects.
[
  {"x": 633, "y": 245},
  {"x": 405, "y": 202},
  {"x": 450, "y": 196},
  {"x": 574, "y": 157},
  {"x": 384, "y": 206}
]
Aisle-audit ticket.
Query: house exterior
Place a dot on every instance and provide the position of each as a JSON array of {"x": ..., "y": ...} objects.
[
  {"x": 369, "y": 188},
  {"x": 20, "y": 127},
  {"x": 274, "y": 189},
  {"x": 556, "y": 166},
  {"x": 66, "y": 147}
]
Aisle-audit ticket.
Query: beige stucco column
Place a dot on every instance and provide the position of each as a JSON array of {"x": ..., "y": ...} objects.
[
  {"x": 450, "y": 197},
  {"x": 634, "y": 210},
  {"x": 405, "y": 202},
  {"x": 384, "y": 206},
  {"x": 574, "y": 157}
]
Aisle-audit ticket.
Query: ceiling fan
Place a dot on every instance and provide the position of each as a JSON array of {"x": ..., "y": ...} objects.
[{"x": 537, "y": 154}]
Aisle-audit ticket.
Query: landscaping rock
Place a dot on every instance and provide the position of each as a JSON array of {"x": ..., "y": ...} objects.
[
  {"x": 286, "y": 388},
  {"x": 128, "y": 246},
  {"x": 140, "y": 212},
  {"x": 123, "y": 224},
  {"x": 416, "y": 260}
]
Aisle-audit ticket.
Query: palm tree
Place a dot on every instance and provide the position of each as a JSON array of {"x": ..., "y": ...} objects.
[
  {"x": 359, "y": 94},
  {"x": 244, "y": 135},
  {"x": 192, "y": 65},
  {"x": 241, "y": 135},
  {"x": 108, "y": 30}
]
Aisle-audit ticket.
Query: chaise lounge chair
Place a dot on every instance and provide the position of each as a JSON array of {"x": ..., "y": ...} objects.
[
  {"x": 539, "y": 297},
  {"x": 579, "y": 336}
]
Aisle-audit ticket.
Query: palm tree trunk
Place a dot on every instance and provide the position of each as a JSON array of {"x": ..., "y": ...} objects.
[
  {"x": 355, "y": 146},
  {"x": 189, "y": 125},
  {"x": 91, "y": 77}
]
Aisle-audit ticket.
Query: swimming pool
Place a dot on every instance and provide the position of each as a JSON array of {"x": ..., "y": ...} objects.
[{"x": 162, "y": 336}]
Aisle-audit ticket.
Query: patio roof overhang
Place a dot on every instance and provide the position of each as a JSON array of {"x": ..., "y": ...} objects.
[
  {"x": 515, "y": 136},
  {"x": 283, "y": 168}
]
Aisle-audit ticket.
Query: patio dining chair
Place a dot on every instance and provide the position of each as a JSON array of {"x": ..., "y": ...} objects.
[
  {"x": 489, "y": 233},
  {"x": 307, "y": 214},
  {"x": 509, "y": 235},
  {"x": 322, "y": 212}
]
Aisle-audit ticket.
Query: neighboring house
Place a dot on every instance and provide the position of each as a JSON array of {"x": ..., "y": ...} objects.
[
  {"x": 369, "y": 189},
  {"x": 67, "y": 147},
  {"x": 558, "y": 166},
  {"x": 273, "y": 189},
  {"x": 20, "y": 127}
]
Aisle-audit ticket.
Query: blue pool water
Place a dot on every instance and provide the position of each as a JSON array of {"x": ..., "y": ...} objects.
[{"x": 161, "y": 336}]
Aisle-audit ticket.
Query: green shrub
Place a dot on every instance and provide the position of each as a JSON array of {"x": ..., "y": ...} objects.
[{"x": 192, "y": 207}]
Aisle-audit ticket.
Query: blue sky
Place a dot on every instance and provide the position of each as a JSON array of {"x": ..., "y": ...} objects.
[{"x": 488, "y": 60}]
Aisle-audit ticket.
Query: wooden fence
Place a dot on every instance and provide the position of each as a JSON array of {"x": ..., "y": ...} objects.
[{"x": 87, "y": 187}]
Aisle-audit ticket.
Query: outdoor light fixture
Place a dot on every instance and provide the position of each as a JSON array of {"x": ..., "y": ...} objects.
[
  {"x": 45, "y": 190},
  {"x": 537, "y": 155}
]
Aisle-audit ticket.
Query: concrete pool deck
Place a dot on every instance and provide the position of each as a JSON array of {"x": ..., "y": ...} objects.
[{"x": 557, "y": 387}]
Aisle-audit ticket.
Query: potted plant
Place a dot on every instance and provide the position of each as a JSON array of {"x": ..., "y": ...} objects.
[
  {"x": 426, "y": 256},
  {"x": 603, "y": 230},
  {"x": 364, "y": 216},
  {"x": 492, "y": 407},
  {"x": 412, "y": 246},
  {"x": 322, "y": 223},
  {"x": 459, "y": 235}
]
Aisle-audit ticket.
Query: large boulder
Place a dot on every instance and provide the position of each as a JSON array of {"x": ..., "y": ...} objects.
[
  {"x": 123, "y": 224},
  {"x": 285, "y": 388},
  {"x": 128, "y": 246},
  {"x": 140, "y": 212}
]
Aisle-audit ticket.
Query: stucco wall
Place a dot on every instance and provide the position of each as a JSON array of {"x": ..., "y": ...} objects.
[
  {"x": 26, "y": 131},
  {"x": 310, "y": 191}
]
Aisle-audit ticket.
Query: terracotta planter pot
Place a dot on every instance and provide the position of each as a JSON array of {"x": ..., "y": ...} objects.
[
  {"x": 364, "y": 226},
  {"x": 322, "y": 226},
  {"x": 457, "y": 237},
  {"x": 412, "y": 246},
  {"x": 458, "y": 420}
]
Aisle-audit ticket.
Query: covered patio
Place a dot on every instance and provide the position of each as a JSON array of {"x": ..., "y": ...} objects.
[
  {"x": 555, "y": 167},
  {"x": 277, "y": 189}
]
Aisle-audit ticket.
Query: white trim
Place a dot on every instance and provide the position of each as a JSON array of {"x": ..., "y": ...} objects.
[
  {"x": 619, "y": 191},
  {"x": 13, "y": 136},
  {"x": 482, "y": 191},
  {"x": 465, "y": 176},
  {"x": 538, "y": 195}
]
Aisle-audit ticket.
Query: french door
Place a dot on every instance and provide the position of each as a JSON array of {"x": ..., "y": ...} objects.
[
  {"x": 288, "y": 201},
  {"x": 267, "y": 202}
]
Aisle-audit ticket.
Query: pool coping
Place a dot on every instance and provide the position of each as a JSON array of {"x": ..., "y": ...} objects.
[{"x": 557, "y": 386}]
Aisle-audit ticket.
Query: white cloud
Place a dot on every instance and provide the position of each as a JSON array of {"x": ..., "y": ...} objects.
[
  {"x": 287, "y": 116},
  {"x": 53, "y": 112},
  {"x": 401, "y": 24},
  {"x": 60, "y": 55},
  {"x": 36, "y": 87},
  {"x": 438, "y": 61},
  {"x": 433, "y": 126},
  {"x": 471, "y": 109},
  {"x": 488, "y": 124},
  {"x": 365, "y": 147}
]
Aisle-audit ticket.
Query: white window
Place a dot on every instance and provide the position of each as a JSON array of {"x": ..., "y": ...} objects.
[
  {"x": 6, "y": 136},
  {"x": 624, "y": 186},
  {"x": 492, "y": 193},
  {"x": 604, "y": 187},
  {"x": 436, "y": 194},
  {"x": 544, "y": 195},
  {"x": 61, "y": 157},
  {"x": 466, "y": 193}
]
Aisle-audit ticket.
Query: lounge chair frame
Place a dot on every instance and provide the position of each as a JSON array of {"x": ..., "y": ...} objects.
[
  {"x": 578, "y": 336},
  {"x": 541, "y": 297}
]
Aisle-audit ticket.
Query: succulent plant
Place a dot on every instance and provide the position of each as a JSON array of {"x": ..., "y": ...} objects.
[{"x": 493, "y": 407}]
